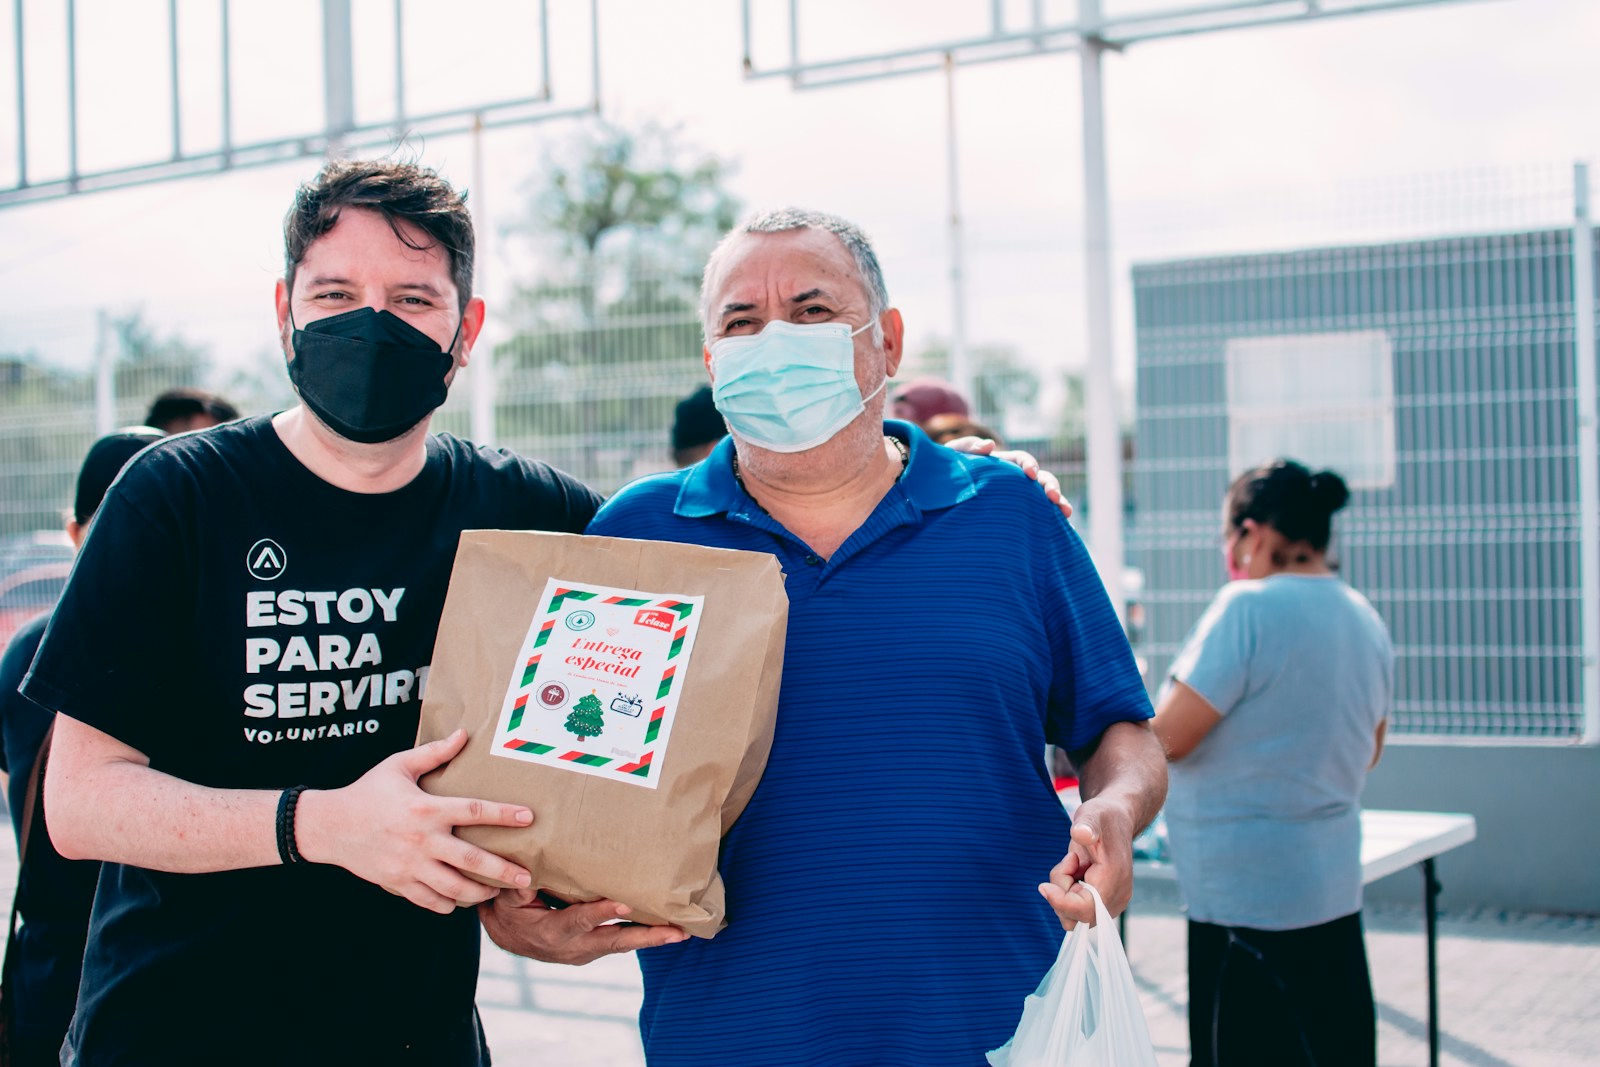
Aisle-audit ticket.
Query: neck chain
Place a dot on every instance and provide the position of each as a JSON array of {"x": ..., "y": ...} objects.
[{"x": 900, "y": 446}]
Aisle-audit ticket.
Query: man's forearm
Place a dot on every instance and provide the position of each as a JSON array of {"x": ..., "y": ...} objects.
[
  {"x": 99, "y": 805},
  {"x": 1127, "y": 768}
]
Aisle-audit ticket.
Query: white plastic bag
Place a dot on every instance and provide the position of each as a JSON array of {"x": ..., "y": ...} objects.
[{"x": 1086, "y": 1012}]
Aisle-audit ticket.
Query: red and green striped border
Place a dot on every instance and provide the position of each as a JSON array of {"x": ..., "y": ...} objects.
[{"x": 640, "y": 767}]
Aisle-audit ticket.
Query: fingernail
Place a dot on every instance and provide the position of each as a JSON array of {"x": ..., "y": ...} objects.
[
  {"x": 524, "y": 816},
  {"x": 523, "y": 880}
]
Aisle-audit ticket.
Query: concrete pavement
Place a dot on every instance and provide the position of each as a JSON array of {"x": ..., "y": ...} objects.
[{"x": 1515, "y": 990}]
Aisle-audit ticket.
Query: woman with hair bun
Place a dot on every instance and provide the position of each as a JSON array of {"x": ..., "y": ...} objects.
[{"x": 1274, "y": 712}]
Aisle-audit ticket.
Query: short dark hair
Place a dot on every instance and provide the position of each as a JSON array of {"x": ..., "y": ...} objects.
[
  {"x": 1286, "y": 496},
  {"x": 695, "y": 422},
  {"x": 402, "y": 192},
  {"x": 104, "y": 462},
  {"x": 177, "y": 405}
]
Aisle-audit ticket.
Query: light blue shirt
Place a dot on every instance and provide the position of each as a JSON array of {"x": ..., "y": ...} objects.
[{"x": 1264, "y": 815}]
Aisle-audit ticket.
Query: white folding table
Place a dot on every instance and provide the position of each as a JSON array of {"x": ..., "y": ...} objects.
[{"x": 1390, "y": 841}]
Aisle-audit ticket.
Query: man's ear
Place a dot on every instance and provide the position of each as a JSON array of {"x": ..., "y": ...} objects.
[
  {"x": 894, "y": 331},
  {"x": 76, "y": 532},
  {"x": 705, "y": 356},
  {"x": 471, "y": 325},
  {"x": 280, "y": 298}
]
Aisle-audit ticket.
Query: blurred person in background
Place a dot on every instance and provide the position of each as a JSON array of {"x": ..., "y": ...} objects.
[
  {"x": 696, "y": 428},
  {"x": 949, "y": 426},
  {"x": 54, "y": 894},
  {"x": 185, "y": 408},
  {"x": 1273, "y": 715},
  {"x": 918, "y": 400}
]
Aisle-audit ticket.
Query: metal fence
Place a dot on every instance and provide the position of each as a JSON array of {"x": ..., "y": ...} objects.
[{"x": 1441, "y": 376}]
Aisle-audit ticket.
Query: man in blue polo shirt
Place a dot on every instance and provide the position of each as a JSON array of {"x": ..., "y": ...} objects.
[{"x": 945, "y": 624}]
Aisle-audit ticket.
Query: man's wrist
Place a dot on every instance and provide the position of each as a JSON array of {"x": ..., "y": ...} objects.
[{"x": 311, "y": 820}]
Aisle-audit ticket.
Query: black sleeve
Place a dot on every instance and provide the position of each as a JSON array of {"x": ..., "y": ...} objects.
[
  {"x": 20, "y": 718},
  {"x": 580, "y": 501},
  {"x": 22, "y": 722},
  {"x": 111, "y": 655}
]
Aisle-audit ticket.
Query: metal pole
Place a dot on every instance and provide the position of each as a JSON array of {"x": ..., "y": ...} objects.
[
  {"x": 1430, "y": 909},
  {"x": 1104, "y": 444},
  {"x": 72, "y": 94},
  {"x": 482, "y": 376},
  {"x": 105, "y": 377},
  {"x": 794, "y": 42},
  {"x": 544, "y": 49},
  {"x": 227, "y": 84},
  {"x": 594, "y": 54},
  {"x": 399, "y": 68},
  {"x": 338, "y": 79},
  {"x": 177, "y": 111},
  {"x": 960, "y": 372},
  {"x": 22, "y": 100},
  {"x": 1583, "y": 307}
]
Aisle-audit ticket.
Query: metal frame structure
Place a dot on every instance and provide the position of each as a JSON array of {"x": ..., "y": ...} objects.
[
  {"x": 1091, "y": 35},
  {"x": 340, "y": 131},
  {"x": 1588, "y": 430}
]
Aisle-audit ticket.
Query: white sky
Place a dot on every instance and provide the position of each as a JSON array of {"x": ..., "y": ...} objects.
[{"x": 1220, "y": 143}]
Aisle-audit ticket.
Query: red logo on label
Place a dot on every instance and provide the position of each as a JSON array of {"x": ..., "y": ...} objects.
[
  {"x": 553, "y": 695},
  {"x": 655, "y": 618}
]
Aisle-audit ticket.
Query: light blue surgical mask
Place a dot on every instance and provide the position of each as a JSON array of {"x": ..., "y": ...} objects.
[{"x": 791, "y": 386}]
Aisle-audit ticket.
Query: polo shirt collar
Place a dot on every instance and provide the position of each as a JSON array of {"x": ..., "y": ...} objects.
[{"x": 935, "y": 477}]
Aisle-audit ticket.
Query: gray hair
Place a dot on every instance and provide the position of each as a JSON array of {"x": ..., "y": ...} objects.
[{"x": 793, "y": 218}]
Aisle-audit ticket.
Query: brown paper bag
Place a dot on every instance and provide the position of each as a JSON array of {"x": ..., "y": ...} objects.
[{"x": 625, "y": 691}]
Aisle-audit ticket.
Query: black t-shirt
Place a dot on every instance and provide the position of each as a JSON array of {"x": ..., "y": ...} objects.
[
  {"x": 244, "y": 624},
  {"x": 53, "y": 893}
]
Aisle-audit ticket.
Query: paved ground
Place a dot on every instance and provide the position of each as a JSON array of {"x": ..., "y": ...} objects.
[{"x": 1515, "y": 991}]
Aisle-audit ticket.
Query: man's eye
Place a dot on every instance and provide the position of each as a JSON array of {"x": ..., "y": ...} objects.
[
  {"x": 334, "y": 295},
  {"x": 737, "y": 326},
  {"x": 816, "y": 309}
]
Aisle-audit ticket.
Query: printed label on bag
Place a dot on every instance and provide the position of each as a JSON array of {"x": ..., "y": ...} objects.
[{"x": 595, "y": 686}]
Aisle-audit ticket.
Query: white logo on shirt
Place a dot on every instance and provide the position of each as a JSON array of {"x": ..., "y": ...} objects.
[{"x": 266, "y": 560}]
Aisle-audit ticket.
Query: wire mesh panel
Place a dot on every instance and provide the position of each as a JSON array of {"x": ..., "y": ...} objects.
[{"x": 1463, "y": 526}]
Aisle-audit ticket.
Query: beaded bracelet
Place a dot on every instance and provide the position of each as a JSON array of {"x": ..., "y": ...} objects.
[{"x": 288, "y": 850}]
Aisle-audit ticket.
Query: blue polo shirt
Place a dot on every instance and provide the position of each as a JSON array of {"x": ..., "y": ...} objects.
[{"x": 881, "y": 884}]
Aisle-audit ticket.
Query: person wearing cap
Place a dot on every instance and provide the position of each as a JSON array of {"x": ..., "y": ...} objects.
[
  {"x": 54, "y": 894},
  {"x": 696, "y": 428},
  {"x": 918, "y": 400}
]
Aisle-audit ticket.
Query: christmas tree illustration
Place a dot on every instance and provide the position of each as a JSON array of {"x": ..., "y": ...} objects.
[{"x": 585, "y": 718}]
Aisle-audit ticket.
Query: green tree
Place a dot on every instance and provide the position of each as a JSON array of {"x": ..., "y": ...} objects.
[
  {"x": 621, "y": 222},
  {"x": 585, "y": 720}
]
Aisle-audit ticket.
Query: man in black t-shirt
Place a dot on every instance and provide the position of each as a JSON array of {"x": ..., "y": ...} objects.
[{"x": 238, "y": 662}]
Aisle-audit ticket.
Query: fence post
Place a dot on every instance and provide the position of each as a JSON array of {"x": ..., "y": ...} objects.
[{"x": 1583, "y": 307}]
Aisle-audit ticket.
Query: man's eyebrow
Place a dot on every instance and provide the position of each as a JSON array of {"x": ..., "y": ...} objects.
[
  {"x": 729, "y": 308},
  {"x": 810, "y": 294},
  {"x": 327, "y": 279},
  {"x": 423, "y": 287}
]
